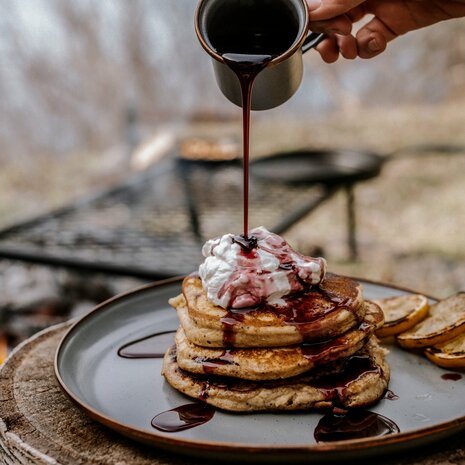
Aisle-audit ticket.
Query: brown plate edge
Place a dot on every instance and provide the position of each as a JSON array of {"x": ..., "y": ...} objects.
[{"x": 347, "y": 446}]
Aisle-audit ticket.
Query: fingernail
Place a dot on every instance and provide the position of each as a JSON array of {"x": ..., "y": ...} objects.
[
  {"x": 313, "y": 4},
  {"x": 373, "y": 45}
]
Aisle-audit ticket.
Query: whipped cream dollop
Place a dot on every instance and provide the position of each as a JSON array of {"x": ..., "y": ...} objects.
[{"x": 243, "y": 272}]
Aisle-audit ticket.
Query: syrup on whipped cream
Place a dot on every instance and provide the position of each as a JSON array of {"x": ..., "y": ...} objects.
[{"x": 241, "y": 272}]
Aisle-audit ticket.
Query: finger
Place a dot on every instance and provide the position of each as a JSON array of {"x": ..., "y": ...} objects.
[
  {"x": 347, "y": 46},
  {"x": 328, "y": 49},
  {"x": 321, "y": 10},
  {"x": 372, "y": 38},
  {"x": 339, "y": 25},
  {"x": 357, "y": 13}
]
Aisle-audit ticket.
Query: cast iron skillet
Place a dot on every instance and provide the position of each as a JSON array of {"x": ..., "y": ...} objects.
[{"x": 318, "y": 166}]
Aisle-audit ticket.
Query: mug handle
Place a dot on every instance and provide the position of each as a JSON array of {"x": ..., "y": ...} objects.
[{"x": 312, "y": 40}]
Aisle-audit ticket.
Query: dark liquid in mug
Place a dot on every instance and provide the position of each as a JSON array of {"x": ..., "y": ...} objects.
[
  {"x": 266, "y": 27},
  {"x": 248, "y": 35}
]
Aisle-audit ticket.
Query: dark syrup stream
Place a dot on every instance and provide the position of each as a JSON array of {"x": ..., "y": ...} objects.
[
  {"x": 246, "y": 67},
  {"x": 247, "y": 40}
]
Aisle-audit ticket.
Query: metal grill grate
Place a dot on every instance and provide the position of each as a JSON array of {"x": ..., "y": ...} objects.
[{"x": 147, "y": 227}]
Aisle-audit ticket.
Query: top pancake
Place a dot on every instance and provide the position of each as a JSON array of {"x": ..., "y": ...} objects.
[{"x": 325, "y": 312}]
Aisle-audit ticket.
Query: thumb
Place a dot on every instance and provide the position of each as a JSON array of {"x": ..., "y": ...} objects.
[{"x": 321, "y": 10}]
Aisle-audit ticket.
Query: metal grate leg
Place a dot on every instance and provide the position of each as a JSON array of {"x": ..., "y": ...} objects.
[{"x": 351, "y": 223}]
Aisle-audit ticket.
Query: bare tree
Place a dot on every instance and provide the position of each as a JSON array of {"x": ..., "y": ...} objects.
[{"x": 71, "y": 72}]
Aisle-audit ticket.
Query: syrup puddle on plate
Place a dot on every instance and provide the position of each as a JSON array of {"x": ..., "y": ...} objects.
[
  {"x": 355, "y": 424},
  {"x": 152, "y": 346},
  {"x": 184, "y": 417},
  {"x": 451, "y": 376}
]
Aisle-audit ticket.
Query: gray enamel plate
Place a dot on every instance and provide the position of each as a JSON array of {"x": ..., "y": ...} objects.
[{"x": 126, "y": 394}]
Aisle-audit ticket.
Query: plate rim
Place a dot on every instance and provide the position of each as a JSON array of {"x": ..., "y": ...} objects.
[{"x": 154, "y": 437}]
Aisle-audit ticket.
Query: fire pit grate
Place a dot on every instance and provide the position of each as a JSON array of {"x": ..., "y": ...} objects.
[{"x": 154, "y": 225}]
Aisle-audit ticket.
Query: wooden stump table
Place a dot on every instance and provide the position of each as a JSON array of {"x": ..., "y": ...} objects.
[{"x": 40, "y": 426}]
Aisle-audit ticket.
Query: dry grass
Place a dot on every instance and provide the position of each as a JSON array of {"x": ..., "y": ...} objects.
[
  {"x": 410, "y": 226},
  {"x": 383, "y": 130},
  {"x": 411, "y": 220},
  {"x": 32, "y": 186}
]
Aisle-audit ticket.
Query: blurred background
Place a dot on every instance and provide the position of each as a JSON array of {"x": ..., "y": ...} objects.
[{"x": 92, "y": 93}]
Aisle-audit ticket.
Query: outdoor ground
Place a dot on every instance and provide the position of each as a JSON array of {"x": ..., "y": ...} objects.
[{"x": 410, "y": 220}]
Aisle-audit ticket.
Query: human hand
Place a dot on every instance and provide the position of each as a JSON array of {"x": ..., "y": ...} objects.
[{"x": 391, "y": 18}]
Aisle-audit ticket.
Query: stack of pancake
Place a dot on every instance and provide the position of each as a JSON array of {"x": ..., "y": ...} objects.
[{"x": 318, "y": 350}]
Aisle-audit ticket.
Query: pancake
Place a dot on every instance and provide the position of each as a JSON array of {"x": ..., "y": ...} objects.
[
  {"x": 357, "y": 381},
  {"x": 275, "y": 363},
  {"x": 325, "y": 312}
]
